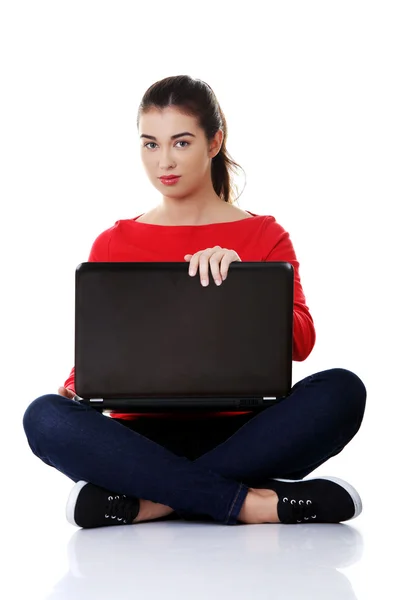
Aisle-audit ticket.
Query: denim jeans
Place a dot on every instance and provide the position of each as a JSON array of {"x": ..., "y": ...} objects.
[{"x": 202, "y": 468}]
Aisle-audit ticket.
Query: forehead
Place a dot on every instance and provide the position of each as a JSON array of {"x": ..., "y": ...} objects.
[{"x": 166, "y": 119}]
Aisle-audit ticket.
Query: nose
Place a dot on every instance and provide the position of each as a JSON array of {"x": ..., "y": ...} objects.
[{"x": 165, "y": 159}]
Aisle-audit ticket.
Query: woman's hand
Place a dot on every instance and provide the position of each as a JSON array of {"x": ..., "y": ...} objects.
[
  {"x": 66, "y": 392},
  {"x": 217, "y": 257}
]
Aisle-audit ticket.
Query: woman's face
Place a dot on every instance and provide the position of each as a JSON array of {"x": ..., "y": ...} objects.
[{"x": 187, "y": 155}]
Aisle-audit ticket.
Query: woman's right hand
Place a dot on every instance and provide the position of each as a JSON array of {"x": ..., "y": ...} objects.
[{"x": 65, "y": 392}]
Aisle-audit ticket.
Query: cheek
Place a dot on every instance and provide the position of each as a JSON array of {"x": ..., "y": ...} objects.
[{"x": 148, "y": 164}]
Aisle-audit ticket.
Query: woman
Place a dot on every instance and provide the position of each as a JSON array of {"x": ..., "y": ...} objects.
[{"x": 226, "y": 467}]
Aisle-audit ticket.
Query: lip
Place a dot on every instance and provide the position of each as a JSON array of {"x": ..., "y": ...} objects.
[{"x": 168, "y": 177}]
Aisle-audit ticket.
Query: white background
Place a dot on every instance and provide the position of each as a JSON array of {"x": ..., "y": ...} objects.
[{"x": 310, "y": 90}]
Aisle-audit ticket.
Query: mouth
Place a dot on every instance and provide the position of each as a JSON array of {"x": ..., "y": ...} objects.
[{"x": 170, "y": 179}]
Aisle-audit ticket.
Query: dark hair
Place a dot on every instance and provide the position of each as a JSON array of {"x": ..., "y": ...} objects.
[{"x": 195, "y": 98}]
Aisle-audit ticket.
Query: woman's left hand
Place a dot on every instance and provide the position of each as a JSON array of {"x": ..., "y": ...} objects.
[{"x": 217, "y": 257}]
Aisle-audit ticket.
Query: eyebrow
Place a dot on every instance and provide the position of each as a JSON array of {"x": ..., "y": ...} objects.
[{"x": 173, "y": 137}]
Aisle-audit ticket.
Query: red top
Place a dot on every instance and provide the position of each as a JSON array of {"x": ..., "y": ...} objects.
[{"x": 259, "y": 238}]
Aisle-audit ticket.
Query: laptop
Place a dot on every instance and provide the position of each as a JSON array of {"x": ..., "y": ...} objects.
[{"x": 149, "y": 337}]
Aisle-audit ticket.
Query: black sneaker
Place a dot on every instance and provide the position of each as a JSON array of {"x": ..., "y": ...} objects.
[
  {"x": 322, "y": 500},
  {"x": 89, "y": 505}
]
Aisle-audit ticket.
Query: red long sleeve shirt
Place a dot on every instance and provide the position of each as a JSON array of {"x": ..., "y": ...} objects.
[{"x": 259, "y": 238}]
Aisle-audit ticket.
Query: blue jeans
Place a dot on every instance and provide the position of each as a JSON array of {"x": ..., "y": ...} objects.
[{"x": 201, "y": 468}]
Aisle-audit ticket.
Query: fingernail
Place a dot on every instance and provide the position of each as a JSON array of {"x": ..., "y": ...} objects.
[
  {"x": 204, "y": 282},
  {"x": 191, "y": 272},
  {"x": 218, "y": 282}
]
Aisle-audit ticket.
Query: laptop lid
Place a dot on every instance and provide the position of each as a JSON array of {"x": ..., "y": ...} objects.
[{"x": 147, "y": 335}]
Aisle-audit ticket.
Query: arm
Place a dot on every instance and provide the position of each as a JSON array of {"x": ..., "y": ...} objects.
[{"x": 280, "y": 248}]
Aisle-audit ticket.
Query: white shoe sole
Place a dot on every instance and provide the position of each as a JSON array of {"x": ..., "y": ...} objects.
[
  {"x": 71, "y": 502},
  {"x": 355, "y": 496}
]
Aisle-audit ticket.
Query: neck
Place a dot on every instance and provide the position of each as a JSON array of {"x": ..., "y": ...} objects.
[{"x": 185, "y": 211}]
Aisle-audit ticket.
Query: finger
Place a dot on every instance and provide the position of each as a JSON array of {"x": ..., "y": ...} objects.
[
  {"x": 196, "y": 258},
  {"x": 224, "y": 266},
  {"x": 194, "y": 262},
  {"x": 204, "y": 263},
  {"x": 193, "y": 265},
  {"x": 215, "y": 266},
  {"x": 204, "y": 267}
]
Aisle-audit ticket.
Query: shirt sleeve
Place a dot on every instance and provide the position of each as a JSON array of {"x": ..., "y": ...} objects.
[{"x": 280, "y": 248}]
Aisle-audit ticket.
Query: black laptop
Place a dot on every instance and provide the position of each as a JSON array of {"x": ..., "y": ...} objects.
[{"x": 149, "y": 337}]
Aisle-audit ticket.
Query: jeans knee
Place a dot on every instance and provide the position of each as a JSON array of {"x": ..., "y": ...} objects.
[
  {"x": 354, "y": 394},
  {"x": 41, "y": 416}
]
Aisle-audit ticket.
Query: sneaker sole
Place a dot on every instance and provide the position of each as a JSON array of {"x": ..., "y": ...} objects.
[
  {"x": 71, "y": 502},
  {"x": 355, "y": 496}
]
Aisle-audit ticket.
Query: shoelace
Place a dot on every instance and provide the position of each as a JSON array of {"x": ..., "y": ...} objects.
[
  {"x": 120, "y": 508},
  {"x": 301, "y": 509}
]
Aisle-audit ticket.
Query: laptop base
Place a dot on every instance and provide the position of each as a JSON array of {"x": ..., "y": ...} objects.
[{"x": 188, "y": 404}]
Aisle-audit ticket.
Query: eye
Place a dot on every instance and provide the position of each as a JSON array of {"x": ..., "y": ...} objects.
[{"x": 180, "y": 142}]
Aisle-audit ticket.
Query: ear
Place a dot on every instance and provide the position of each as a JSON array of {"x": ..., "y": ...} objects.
[{"x": 217, "y": 142}]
